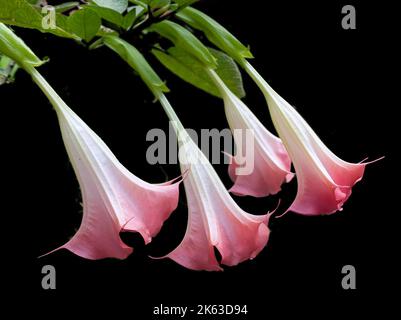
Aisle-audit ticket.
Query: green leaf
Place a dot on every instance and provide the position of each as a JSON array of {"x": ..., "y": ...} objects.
[
  {"x": 192, "y": 71},
  {"x": 185, "y": 3},
  {"x": 159, "y": 7},
  {"x": 157, "y": 4},
  {"x": 96, "y": 44},
  {"x": 8, "y": 68},
  {"x": 130, "y": 18},
  {"x": 104, "y": 31},
  {"x": 66, "y": 6},
  {"x": 141, "y": 3},
  {"x": 145, "y": 2},
  {"x": 33, "y": 2},
  {"x": 136, "y": 60},
  {"x": 4, "y": 62},
  {"x": 134, "y": 14},
  {"x": 184, "y": 39},
  {"x": 22, "y": 14},
  {"x": 229, "y": 72},
  {"x": 108, "y": 15},
  {"x": 84, "y": 23},
  {"x": 216, "y": 33},
  {"x": 62, "y": 21},
  {"x": 117, "y": 5}
]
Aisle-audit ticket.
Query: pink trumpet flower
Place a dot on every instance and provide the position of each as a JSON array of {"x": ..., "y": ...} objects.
[
  {"x": 324, "y": 181},
  {"x": 267, "y": 162},
  {"x": 114, "y": 200},
  {"x": 214, "y": 219}
]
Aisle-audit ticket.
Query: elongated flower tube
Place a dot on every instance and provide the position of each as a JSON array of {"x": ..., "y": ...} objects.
[
  {"x": 324, "y": 180},
  {"x": 214, "y": 219},
  {"x": 267, "y": 163},
  {"x": 114, "y": 199}
]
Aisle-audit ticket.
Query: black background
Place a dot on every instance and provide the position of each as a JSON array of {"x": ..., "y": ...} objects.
[{"x": 340, "y": 82}]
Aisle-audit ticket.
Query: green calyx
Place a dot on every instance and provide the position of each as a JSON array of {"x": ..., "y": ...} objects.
[
  {"x": 216, "y": 33},
  {"x": 13, "y": 47},
  {"x": 185, "y": 40}
]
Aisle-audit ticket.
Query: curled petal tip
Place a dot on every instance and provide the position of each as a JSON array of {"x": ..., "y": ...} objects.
[
  {"x": 372, "y": 161},
  {"x": 50, "y": 252},
  {"x": 289, "y": 177}
]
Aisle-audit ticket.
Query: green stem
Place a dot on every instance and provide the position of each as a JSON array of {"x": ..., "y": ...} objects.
[
  {"x": 260, "y": 82},
  {"x": 178, "y": 127},
  {"x": 221, "y": 86},
  {"x": 289, "y": 126},
  {"x": 52, "y": 95}
]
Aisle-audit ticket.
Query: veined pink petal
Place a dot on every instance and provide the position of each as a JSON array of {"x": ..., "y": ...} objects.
[
  {"x": 114, "y": 200},
  {"x": 324, "y": 180},
  {"x": 215, "y": 220},
  {"x": 342, "y": 172},
  {"x": 268, "y": 156}
]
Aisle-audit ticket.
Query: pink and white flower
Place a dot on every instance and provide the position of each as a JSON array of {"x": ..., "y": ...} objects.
[
  {"x": 268, "y": 158},
  {"x": 114, "y": 199},
  {"x": 324, "y": 180},
  {"x": 214, "y": 219}
]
